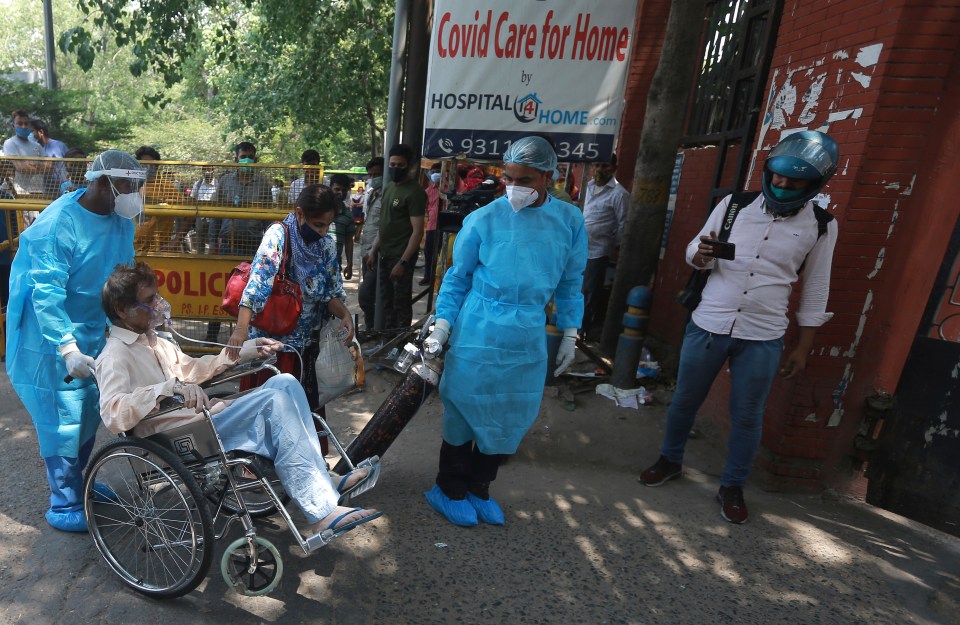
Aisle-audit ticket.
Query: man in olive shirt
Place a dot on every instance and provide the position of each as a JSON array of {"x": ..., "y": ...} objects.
[{"x": 398, "y": 242}]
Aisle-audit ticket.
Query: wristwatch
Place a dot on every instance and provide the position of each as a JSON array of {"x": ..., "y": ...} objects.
[{"x": 404, "y": 262}]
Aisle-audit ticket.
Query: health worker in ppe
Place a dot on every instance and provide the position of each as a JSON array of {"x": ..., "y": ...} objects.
[
  {"x": 510, "y": 258},
  {"x": 56, "y": 326}
]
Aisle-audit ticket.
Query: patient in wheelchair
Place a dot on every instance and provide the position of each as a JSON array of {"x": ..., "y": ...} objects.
[{"x": 138, "y": 368}]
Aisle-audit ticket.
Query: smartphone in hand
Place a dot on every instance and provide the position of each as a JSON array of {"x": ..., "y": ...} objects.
[{"x": 722, "y": 249}]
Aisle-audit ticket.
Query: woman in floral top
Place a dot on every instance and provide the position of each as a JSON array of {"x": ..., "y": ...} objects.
[{"x": 313, "y": 264}]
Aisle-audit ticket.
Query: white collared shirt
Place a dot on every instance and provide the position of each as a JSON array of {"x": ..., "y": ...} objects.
[
  {"x": 604, "y": 213},
  {"x": 748, "y": 297}
]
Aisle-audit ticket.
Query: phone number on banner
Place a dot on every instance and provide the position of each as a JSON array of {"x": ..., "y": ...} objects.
[{"x": 490, "y": 145}]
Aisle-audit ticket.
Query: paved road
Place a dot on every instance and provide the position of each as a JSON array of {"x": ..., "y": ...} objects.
[{"x": 584, "y": 543}]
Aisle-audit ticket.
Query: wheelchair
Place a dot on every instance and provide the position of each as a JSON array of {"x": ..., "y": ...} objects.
[{"x": 156, "y": 506}]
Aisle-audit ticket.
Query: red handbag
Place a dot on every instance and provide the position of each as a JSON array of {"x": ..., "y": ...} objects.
[{"x": 285, "y": 304}]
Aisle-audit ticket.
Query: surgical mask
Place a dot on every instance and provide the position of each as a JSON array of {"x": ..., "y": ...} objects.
[
  {"x": 397, "y": 174},
  {"x": 159, "y": 312},
  {"x": 435, "y": 178},
  {"x": 521, "y": 197},
  {"x": 246, "y": 170},
  {"x": 23, "y": 133},
  {"x": 127, "y": 205},
  {"x": 376, "y": 182},
  {"x": 308, "y": 234}
]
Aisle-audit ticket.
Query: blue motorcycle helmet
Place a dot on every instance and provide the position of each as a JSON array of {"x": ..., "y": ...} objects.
[{"x": 806, "y": 155}]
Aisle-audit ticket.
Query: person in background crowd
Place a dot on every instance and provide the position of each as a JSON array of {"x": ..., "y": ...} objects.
[
  {"x": 157, "y": 233},
  {"x": 204, "y": 190},
  {"x": 28, "y": 175},
  {"x": 398, "y": 240},
  {"x": 343, "y": 225},
  {"x": 433, "y": 210},
  {"x": 367, "y": 236},
  {"x": 243, "y": 188},
  {"x": 605, "y": 207},
  {"x": 55, "y": 325},
  {"x": 277, "y": 193},
  {"x": 310, "y": 176},
  {"x": 75, "y": 172},
  {"x": 52, "y": 148},
  {"x": 510, "y": 258}
]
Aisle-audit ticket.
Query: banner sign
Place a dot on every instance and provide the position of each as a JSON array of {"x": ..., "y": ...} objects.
[
  {"x": 505, "y": 69},
  {"x": 193, "y": 285}
]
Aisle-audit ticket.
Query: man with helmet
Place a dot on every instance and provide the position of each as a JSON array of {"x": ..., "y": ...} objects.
[
  {"x": 55, "y": 322},
  {"x": 742, "y": 316}
]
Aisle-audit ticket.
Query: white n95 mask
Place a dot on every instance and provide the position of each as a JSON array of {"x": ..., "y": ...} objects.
[
  {"x": 521, "y": 197},
  {"x": 127, "y": 205}
]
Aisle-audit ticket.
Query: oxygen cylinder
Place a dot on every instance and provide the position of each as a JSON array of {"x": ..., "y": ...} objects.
[{"x": 394, "y": 413}]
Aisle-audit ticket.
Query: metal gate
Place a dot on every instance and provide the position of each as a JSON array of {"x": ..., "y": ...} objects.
[
  {"x": 915, "y": 470},
  {"x": 738, "y": 43}
]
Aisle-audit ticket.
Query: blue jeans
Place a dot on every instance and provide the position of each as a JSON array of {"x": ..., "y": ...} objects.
[{"x": 753, "y": 366}]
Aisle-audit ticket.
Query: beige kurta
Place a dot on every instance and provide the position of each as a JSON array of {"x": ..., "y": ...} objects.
[{"x": 136, "y": 371}]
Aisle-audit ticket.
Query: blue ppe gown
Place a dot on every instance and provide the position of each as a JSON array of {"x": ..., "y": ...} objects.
[
  {"x": 62, "y": 263},
  {"x": 506, "y": 267}
]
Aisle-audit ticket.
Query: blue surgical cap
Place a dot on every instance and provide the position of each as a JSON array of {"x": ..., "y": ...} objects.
[{"x": 533, "y": 152}]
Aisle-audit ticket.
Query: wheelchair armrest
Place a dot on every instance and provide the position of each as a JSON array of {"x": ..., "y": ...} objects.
[
  {"x": 242, "y": 369},
  {"x": 169, "y": 404}
]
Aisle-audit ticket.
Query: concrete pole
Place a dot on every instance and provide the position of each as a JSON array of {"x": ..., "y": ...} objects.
[
  {"x": 415, "y": 89},
  {"x": 49, "y": 45},
  {"x": 394, "y": 109}
]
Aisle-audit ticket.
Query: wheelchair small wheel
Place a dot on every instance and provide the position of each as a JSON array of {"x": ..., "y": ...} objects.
[
  {"x": 235, "y": 567},
  {"x": 258, "y": 502},
  {"x": 148, "y": 518}
]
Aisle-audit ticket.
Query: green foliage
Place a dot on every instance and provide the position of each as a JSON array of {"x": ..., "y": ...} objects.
[{"x": 287, "y": 75}]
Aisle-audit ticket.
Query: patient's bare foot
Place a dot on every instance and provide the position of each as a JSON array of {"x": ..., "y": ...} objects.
[
  {"x": 349, "y": 480},
  {"x": 339, "y": 518}
]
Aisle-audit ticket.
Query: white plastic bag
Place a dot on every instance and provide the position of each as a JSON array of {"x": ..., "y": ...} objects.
[{"x": 336, "y": 369}]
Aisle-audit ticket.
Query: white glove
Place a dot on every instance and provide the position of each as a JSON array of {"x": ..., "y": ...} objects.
[
  {"x": 79, "y": 365},
  {"x": 565, "y": 354},
  {"x": 437, "y": 339}
]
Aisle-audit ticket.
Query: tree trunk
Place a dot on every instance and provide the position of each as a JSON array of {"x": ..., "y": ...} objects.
[{"x": 662, "y": 131}]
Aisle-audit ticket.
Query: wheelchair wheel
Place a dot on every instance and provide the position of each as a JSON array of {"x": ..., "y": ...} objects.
[
  {"x": 148, "y": 518},
  {"x": 235, "y": 567},
  {"x": 257, "y": 501}
]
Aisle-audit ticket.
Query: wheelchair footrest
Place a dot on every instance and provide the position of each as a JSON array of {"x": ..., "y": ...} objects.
[{"x": 366, "y": 484}]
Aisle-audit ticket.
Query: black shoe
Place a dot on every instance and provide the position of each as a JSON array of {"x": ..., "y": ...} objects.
[
  {"x": 425, "y": 281},
  {"x": 661, "y": 472},
  {"x": 732, "y": 506}
]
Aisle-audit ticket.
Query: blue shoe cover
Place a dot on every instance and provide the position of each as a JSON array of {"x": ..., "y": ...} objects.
[
  {"x": 457, "y": 511},
  {"x": 67, "y": 521},
  {"x": 488, "y": 510},
  {"x": 104, "y": 494}
]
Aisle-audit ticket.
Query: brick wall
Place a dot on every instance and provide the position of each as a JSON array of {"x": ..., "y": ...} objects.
[{"x": 873, "y": 75}]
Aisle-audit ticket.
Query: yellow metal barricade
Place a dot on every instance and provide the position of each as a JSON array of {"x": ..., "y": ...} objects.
[{"x": 199, "y": 221}]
